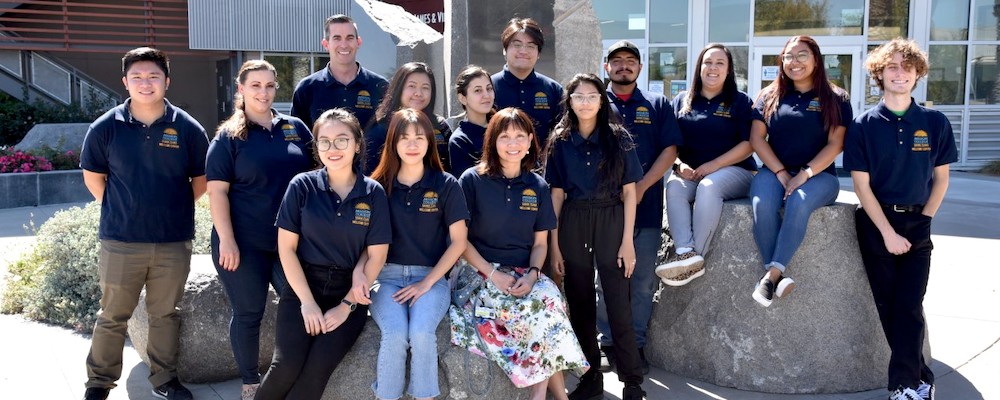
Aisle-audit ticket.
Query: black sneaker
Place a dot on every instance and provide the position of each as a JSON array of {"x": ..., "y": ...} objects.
[
  {"x": 172, "y": 390},
  {"x": 633, "y": 391},
  {"x": 643, "y": 362},
  {"x": 607, "y": 359},
  {"x": 764, "y": 292},
  {"x": 96, "y": 393},
  {"x": 589, "y": 389}
]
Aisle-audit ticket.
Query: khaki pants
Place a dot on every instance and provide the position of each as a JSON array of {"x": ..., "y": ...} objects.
[{"x": 125, "y": 268}]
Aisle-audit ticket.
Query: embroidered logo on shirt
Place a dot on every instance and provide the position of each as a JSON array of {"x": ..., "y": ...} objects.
[
  {"x": 814, "y": 105},
  {"x": 642, "y": 116},
  {"x": 920, "y": 141},
  {"x": 364, "y": 100},
  {"x": 169, "y": 139},
  {"x": 529, "y": 200},
  {"x": 541, "y": 101},
  {"x": 362, "y": 214},
  {"x": 430, "y": 202},
  {"x": 439, "y": 137},
  {"x": 291, "y": 135},
  {"x": 722, "y": 111}
]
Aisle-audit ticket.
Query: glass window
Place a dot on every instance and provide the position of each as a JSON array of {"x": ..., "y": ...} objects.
[
  {"x": 983, "y": 89},
  {"x": 946, "y": 77},
  {"x": 729, "y": 21},
  {"x": 949, "y": 19},
  {"x": 873, "y": 93},
  {"x": 290, "y": 69},
  {"x": 985, "y": 24},
  {"x": 839, "y": 69},
  {"x": 888, "y": 19},
  {"x": 622, "y": 19},
  {"x": 741, "y": 64},
  {"x": 808, "y": 17},
  {"x": 668, "y": 21},
  {"x": 668, "y": 70}
]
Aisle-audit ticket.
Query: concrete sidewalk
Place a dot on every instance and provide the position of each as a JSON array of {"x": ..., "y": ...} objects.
[{"x": 962, "y": 307}]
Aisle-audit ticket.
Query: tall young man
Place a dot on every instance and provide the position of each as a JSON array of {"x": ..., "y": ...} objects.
[
  {"x": 898, "y": 154},
  {"x": 519, "y": 85},
  {"x": 344, "y": 82},
  {"x": 651, "y": 121},
  {"x": 144, "y": 162}
]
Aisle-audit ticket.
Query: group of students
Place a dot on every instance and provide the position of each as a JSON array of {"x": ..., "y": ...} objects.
[{"x": 560, "y": 179}]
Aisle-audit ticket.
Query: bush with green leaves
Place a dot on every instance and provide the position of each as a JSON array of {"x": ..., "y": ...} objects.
[{"x": 57, "y": 282}]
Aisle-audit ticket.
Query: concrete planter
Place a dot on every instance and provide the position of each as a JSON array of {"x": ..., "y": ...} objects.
[{"x": 41, "y": 188}]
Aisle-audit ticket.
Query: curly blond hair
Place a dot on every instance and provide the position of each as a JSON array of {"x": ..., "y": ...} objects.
[{"x": 879, "y": 58}]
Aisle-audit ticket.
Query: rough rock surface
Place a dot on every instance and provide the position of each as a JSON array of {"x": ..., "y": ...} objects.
[
  {"x": 205, "y": 352},
  {"x": 824, "y": 338},
  {"x": 577, "y": 39},
  {"x": 57, "y": 136}
]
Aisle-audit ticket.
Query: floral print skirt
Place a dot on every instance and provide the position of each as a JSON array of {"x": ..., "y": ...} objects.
[{"x": 530, "y": 339}]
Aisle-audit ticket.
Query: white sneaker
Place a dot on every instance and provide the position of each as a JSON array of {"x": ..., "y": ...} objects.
[
  {"x": 784, "y": 287},
  {"x": 904, "y": 394},
  {"x": 925, "y": 390}
]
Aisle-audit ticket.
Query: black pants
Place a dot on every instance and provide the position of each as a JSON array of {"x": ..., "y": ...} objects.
[
  {"x": 591, "y": 233},
  {"x": 302, "y": 364},
  {"x": 898, "y": 284}
]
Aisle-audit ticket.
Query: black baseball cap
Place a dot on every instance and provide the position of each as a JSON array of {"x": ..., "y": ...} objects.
[{"x": 623, "y": 45}]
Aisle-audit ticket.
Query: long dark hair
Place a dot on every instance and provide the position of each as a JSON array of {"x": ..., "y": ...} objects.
[
  {"x": 236, "y": 125},
  {"x": 729, "y": 88},
  {"x": 503, "y": 120},
  {"x": 390, "y": 163},
  {"x": 613, "y": 138},
  {"x": 829, "y": 94},
  {"x": 347, "y": 118},
  {"x": 392, "y": 102}
]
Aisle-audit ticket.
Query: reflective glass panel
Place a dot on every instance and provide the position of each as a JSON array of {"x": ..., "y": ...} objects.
[
  {"x": 290, "y": 69},
  {"x": 622, "y": 19},
  {"x": 949, "y": 19},
  {"x": 808, "y": 17},
  {"x": 985, "y": 25},
  {"x": 983, "y": 89},
  {"x": 668, "y": 21},
  {"x": 888, "y": 19},
  {"x": 668, "y": 70},
  {"x": 946, "y": 76},
  {"x": 729, "y": 21}
]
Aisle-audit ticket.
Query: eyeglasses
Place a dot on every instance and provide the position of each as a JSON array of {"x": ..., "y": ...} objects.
[
  {"x": 517, "y": 45},
  {"x": 586, "y": 98},
  {"x": 801, "y": 57},
  {"x": 338, "y": 143}
]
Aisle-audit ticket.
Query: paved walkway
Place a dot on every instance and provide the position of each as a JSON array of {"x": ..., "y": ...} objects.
[{"x": 962, "y": 307}]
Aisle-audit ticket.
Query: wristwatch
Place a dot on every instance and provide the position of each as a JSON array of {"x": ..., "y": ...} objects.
[{"x": 352, "y": 306}]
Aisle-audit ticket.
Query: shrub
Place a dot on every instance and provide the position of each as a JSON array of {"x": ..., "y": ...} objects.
[
  {"x": 60, "y": 160},
  {"x": 57, "y": 282},
  {"x": 993, "y": 168},
  {"x": 19, "y": 161},
  {"x": 19, "y": 115}
]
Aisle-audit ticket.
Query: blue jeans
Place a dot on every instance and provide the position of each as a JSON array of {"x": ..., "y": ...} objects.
[
  {"x": 779, "y": 237},
  {"x": 408, "y": 327},
  {"x": 247, "y": 291},
  {"x": 644, "y": 284}
]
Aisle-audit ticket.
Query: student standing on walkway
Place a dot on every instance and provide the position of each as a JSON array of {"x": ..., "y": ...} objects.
[
  {"x": 517, "y": 319},
  {"x": 412, "y": 86},
  {"x": 898, "y": 154},
  {"x": 333, "y": 234},
  {"x": 592, "y": 167},
  {"x": 715, "y": 163},
  {"x": 475, "y": 92},
  {"x": 519, "y": 85},
  {"x": 428, "y": 213},
  {"x": 343, "y": 83},
  {"x": 254, "y": 155},
  {"x": 650, "y": 120},
  {"x": 798, "y": 130},
  {"x": 144, "y": 161}
]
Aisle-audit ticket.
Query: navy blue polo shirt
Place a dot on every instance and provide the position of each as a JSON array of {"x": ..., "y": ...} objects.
[
  {"x": 572, "y": 166},
  {"x": 421, "y": 215},
  {"x": 148, "y": 198},
  {"x": 650, "y": 120},
  {"x": 538, "y": 95},
  {"x": 333, "y": 231},
  {"x": 795, "y": 131},
  {"x": 320, "y": 91},
  {"x": 506, "y": 213},
  {"x": 375, "y": 140},
  {"x": 258, "y": 170},
  {"x": 465, "y": 147},
  {"x": 713, "y": 127},
  {"x": 900, "y": 153}
]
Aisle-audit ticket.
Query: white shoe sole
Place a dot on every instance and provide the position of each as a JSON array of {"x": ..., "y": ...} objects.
[
  {"x": 785, "y": 287},
  {"x": 677, "y": 268},
  {"x": 685, "y": 281}
]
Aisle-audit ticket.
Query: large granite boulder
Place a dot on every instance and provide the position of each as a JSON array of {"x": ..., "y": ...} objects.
[
  {"x": 206, "y": 356},
  {"x": 824, "y": 338},
  {"x": 205, "y": 352},
  {"x": 57, "y": 136}
]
